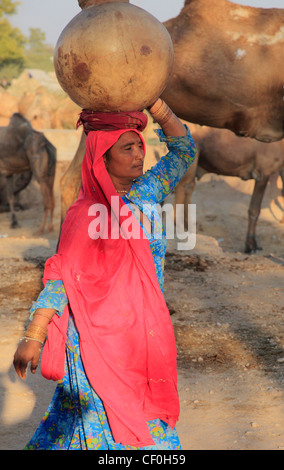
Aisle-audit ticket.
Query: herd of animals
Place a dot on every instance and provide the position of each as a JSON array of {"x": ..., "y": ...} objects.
[
  {"x": 25, "y": 152},
  {"x": 227, "y": 80}
]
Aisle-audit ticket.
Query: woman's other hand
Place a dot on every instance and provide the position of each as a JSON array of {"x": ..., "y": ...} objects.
[
  {"x": 27, "y": 352},
  {"x": 29, "y": 348}
]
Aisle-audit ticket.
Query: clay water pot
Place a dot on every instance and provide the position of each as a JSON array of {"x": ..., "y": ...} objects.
[{"x": 113, "y": 57}]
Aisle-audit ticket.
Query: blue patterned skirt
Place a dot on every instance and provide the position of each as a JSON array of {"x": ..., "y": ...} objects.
[{"x": 76, "y": 419}]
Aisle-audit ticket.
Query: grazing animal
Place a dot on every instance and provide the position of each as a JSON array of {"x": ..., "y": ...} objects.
[
  {"x": 24, "y": 149},
  {"x": 221, "y": 152},
  {"x": 20, "y": 182},
  {"x": 228, "y": 67}
]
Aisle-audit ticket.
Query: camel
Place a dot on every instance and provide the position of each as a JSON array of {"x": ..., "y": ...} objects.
[
  {"x": 221, "y": 152},
  {"x": 228, "y": 68},
  {"x": 20, "y": 182},
  {"x": 22, "y": 149},
  {"x": 228, "y": 73}
]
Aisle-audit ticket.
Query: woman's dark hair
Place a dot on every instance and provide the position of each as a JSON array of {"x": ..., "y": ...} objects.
[{"x": 108, "y": 155}]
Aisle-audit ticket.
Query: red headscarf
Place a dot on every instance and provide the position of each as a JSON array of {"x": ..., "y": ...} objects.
[
  {"x": 126, "y": 337},
  {"x": 96, "y": 121}
]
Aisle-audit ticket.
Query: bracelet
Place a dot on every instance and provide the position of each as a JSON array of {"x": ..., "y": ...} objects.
[
  {"x": 167, "y": 116},
  {"x": 154, "y": 111},
  {"x": 26, "y": 339},
  {"x": 36, "y": 332},
  {"x": 162, "y": 114}
]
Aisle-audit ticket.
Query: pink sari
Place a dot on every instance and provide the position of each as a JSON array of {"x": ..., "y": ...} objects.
[{"x": 126, "y": 337}]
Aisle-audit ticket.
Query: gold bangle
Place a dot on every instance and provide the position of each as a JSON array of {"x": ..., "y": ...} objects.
[
  {"x": 163, "y": 114},
  {"x": 161, "y": 111},
  {"x": 154, "y": 111},
  {"x": 166, "y": 117},
  {"x": 36, "y": 328},
  {"x": 36, "y": 332}
]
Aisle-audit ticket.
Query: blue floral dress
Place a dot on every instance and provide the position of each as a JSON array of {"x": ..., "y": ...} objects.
[{"x": 75, "y": 418}]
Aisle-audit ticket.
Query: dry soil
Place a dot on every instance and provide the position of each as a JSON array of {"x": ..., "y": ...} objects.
[{"x": 226, "y": 307}]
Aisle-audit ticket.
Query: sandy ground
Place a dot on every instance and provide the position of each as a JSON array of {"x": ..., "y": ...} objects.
[{"x": 227, "y": 309}]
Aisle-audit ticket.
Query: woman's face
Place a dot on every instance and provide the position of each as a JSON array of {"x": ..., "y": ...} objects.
[{"x": 124, "y": 161}]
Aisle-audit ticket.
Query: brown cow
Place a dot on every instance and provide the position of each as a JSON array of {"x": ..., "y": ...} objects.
[
  {"x": 221, "y": 152},
  {"x": 229, "y": 68}
]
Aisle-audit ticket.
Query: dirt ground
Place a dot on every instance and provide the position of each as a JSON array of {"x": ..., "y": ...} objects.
[{"x": 227, "y": 308}]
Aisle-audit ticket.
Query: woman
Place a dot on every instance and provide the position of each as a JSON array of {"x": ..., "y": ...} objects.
[{"x": 102, "y": 317}]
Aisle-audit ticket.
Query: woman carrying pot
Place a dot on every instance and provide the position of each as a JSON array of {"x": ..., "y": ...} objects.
[{"x": 107, "y": 334}]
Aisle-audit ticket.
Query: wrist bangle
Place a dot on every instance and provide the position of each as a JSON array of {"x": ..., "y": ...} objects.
[
  {"x": 26, "y": 339},
  {"x": 36, "y": 332},
  {"x": 162, "y": 114},
  {"x": 152, "y": 109},
  {"x": 166, "y": 117}
]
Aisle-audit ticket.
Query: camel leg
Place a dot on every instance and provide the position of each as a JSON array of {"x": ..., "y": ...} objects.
[
  {"x": 282, "y": 194},
  {"x": 253, "y": 214},
  {"x": 48, "y": 203},
  {"x": 179, "y": 197},
  {"x": 10, "y": 195},
  {"x": 42, "y": 226},
  {"x": 51, "y": 203},
  {"x": 183, "y": 193},
  {"x": 39, "y": 169}
]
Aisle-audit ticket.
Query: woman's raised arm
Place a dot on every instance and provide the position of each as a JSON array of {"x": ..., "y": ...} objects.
[{"x": 169, "y": 122}]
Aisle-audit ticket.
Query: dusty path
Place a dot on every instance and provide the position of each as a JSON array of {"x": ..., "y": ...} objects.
[{"x": 227, "y": 310}]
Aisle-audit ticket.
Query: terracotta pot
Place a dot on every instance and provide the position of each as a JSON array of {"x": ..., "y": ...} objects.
[{"x": 113, "y": 57}]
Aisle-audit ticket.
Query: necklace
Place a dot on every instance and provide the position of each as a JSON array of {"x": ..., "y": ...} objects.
[{"x": 122, "y": 191}]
